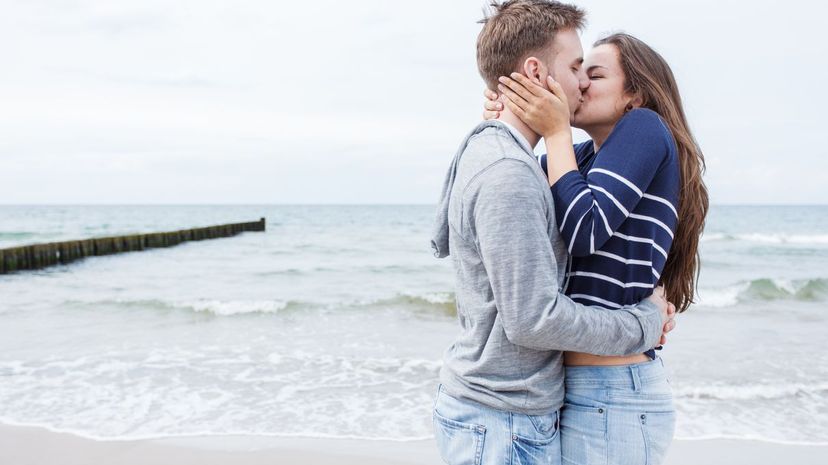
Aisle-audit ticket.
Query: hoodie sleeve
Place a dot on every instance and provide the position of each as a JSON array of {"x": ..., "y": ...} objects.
[{"x": 508, "y": 219}]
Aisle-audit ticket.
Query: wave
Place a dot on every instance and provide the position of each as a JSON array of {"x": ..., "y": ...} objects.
[
  {"x": 749, "y": 391},
  {"x": 215, "y": 307},
  {"x": 440, "y": 303},
  {"x": 764, "y": 290},
  {"x": 767, "y": 238},
  {"x": 235, "y": 307},
  {"x": 292, "y": 272},
  {"x": 443, "y": 303},
  {"x": 350, "y": 269}
]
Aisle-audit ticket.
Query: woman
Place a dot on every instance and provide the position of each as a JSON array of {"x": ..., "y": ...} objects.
[{"x": 631, "y": 205}]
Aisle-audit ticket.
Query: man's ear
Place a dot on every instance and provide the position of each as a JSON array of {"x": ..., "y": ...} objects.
[{"x": 535, "y": 70}]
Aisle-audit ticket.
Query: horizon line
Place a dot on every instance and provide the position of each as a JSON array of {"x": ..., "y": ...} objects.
[{"x": 355, "y": 204}]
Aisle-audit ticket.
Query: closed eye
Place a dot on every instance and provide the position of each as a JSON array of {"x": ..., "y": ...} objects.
[{"x": 594, "y": 76}]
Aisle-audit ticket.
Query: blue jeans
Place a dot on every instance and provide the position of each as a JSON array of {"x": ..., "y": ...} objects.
[
  {"x": 617, "y": 415},
  {"x": 469, "y": 433}
]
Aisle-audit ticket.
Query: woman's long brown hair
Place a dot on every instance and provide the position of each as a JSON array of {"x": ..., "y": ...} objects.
[{"x": 649, "y": 77}]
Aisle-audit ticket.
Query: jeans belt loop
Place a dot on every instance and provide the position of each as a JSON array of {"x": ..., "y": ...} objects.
[{"x": 635, "y": 378}]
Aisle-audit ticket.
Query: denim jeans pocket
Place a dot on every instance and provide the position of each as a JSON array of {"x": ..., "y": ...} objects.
[
  {"x": 658, "y": 429},
  {"x": 584, "y": 435},
  {"x": 544, "y": 428},
  {"x": 459, "y": 443},
  {"x": 536, "y": 439}
]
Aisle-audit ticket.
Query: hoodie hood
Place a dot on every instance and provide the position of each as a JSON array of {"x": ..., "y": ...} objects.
[{"x": 440, "y": 232}]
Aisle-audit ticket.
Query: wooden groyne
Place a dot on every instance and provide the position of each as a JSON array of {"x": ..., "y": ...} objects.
[{"x": 37, "y": 256}]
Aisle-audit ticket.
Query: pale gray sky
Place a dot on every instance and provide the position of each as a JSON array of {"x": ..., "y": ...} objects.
[{"x": 327, "y": 101}]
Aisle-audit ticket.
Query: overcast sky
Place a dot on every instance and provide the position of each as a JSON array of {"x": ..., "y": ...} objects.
[{"x": 258, "y": 101}]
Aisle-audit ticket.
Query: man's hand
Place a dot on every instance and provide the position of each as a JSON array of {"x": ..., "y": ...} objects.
[{"x": 668, "y": 312}]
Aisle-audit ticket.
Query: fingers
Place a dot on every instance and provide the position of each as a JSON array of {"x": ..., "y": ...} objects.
[
  {"x": 518, "y": 111},
  {"x": 516, "y": 87},
  {"x": 659, "y": 291},
  {"x": 512, "y": 97},
  {"x": 659, "y": 299},
  {"x": 533, "y": 87},
  {"x": 490, "y": 94},
  {"x": 670, "y": 324},
  {"x": 555, "y": 87},
  {"x": 492, "y": 106}
]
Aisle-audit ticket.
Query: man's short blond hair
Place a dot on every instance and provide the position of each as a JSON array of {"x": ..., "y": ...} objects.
[{"x": 517, "y": 29}]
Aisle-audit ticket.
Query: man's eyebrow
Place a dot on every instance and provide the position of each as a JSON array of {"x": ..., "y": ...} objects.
[{"x": 578, "y": 61}]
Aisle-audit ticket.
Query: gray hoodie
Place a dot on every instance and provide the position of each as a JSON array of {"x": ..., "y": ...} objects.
[{"x": 497, "y": 218}]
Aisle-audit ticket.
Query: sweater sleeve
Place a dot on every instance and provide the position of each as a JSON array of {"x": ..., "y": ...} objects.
[
  {"x": 591, "y": 208},
  {"x": 507, "y": 213}
]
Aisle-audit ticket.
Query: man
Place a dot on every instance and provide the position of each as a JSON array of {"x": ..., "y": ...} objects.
[{"x": 502, "y": 378}]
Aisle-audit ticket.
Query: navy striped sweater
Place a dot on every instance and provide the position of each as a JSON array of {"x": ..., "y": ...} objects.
[{"x": 618, "y": 214}]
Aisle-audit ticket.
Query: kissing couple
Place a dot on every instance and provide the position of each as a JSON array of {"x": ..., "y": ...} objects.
[{"x": 570, "y": 266}]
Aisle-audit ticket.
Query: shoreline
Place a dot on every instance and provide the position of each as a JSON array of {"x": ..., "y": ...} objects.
[{"x": 35, "y": 446}]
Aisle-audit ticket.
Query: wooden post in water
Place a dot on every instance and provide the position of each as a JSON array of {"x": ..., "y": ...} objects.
[{"x": 37, "y": 256}]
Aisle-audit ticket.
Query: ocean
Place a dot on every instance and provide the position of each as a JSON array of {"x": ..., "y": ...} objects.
[{"x": 333, "y": 322}]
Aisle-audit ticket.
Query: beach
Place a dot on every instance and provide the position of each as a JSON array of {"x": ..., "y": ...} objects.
[
  {"x": 37, "y": 446},
  {"x": 210, "y": 255},
  {"x": 321, "y": 339}
]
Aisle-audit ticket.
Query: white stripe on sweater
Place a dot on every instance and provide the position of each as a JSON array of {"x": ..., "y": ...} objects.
[
  {"x": 572, "y": 204},
  {"x": 652, "y": 220},
  {"x": 635, "y": 188},
  {"x": 595, "y": 299},
  {"x": 618, "y": 177},
  {"x": 592, "y": 239},
  {"x": 626, "y": 261},
  {"x": 611, "y": 280},
  {"x": 603, "y": 217},
  {"x": 662, "y": 200},
  {"x": 575, "y": 232},
  {"x": 611, "y": 197},
  {"x": 643, "y": 240},
  {"x": 629, "y": 261}
]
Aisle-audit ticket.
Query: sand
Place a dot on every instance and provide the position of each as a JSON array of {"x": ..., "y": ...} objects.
[{"x": 36, "y": 446}]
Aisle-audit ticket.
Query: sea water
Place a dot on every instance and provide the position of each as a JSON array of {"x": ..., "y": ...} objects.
[{"x": 333, "y": 322}]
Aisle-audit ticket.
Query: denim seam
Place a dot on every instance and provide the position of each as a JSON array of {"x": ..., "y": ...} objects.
[
  {"x": 646, "y": 440},
  {"x": 480, "y": 433},
  {"x": 644, "y": 381},
  {"x": 511, "y": 439}
]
